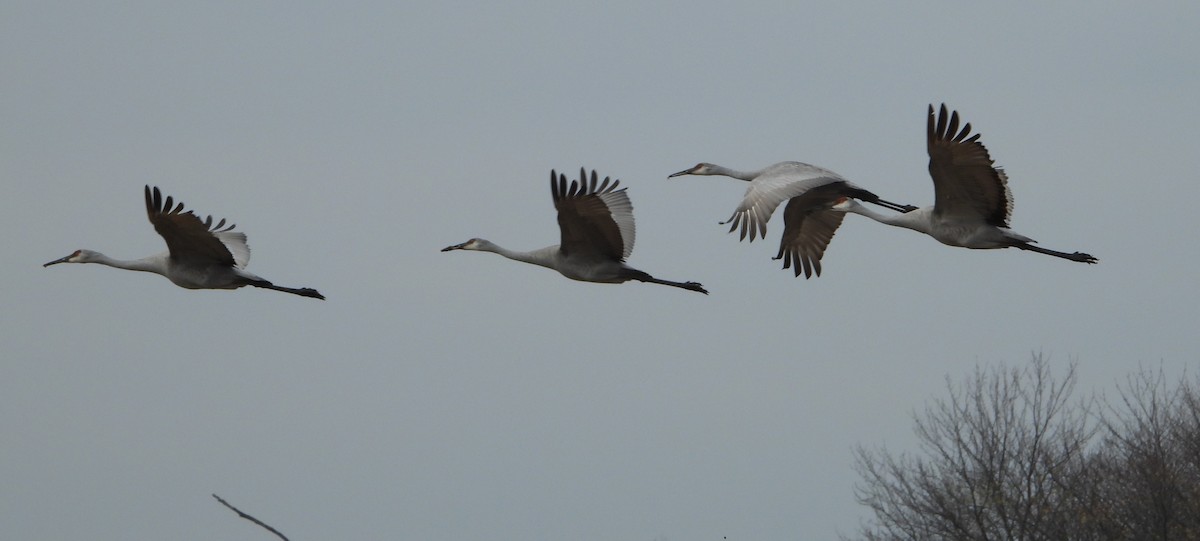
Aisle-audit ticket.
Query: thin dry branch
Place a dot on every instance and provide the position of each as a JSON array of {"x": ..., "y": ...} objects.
[{"x": 250, "y": 518}]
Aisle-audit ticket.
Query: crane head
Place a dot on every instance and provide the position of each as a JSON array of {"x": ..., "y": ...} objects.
[
  {"x": 473, "y": 244},
  {"x": 698, "y": 169},
  {"x": 78, "y": 256}
]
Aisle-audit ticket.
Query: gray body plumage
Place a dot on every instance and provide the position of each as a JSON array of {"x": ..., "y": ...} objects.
[
  {"x": 200, "y": 254},
  {"x": 972, "y": 200},
  {"x": 595, "y": 221},
  {"x": 809, "y": 222}
]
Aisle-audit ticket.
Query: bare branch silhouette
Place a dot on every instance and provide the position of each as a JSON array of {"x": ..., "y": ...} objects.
[
  {"x": 1011, "y": 455},
  {"x": 250, "y": 518}
]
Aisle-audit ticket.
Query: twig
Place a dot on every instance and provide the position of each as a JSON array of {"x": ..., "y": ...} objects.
[{"x": 250, "y": 518}]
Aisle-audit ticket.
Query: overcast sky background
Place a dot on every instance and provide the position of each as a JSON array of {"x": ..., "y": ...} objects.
[{"x": 463, "y": 396}]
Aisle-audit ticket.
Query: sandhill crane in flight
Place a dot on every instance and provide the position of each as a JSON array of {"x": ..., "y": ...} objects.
[
  {"x": 596, "y": 222},
  {"x": 972, "y": 203},
  {"x": 808, "y": 221},
  {"x": 199, "y": 255}
]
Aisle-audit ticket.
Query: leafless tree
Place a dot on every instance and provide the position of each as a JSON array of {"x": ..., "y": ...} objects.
[
  {"x": 994, "y": 458},
  {"x": 1012, "y": 455},
  {"x": 1145, "y": 475}
]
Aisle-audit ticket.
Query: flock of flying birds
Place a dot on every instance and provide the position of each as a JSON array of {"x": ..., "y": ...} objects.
[{"x": 972, "y": 206}]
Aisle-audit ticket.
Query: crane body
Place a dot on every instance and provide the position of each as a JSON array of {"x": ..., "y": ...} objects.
[
  {"x": 200, "y": 255},
  {"x": 972, "y": 200},
  {"x": 597, "y": 228},
  {"x": 809, "y": 222}
]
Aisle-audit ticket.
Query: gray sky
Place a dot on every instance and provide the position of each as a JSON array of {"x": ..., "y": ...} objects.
[{"x": 463, "y": 396}]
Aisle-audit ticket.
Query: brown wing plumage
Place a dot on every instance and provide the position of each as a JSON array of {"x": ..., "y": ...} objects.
[
  {"x": 965, "y": 181},
  {"x": 585, "y": 218},
  {"x": 808, "y": 226},
  {"x": 187, "y": 236}
]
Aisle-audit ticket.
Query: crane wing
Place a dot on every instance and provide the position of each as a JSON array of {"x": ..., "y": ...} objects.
[
  {"x": 782, "y": 182},
  {"x": 594, "y": 217},
  {"x": 808, "y": 226},
  {"x": 965, "y": 181},
  {"x": 188, "y": 237}
]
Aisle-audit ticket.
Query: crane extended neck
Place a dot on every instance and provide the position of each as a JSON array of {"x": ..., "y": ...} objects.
[
  {"x": 734, "y": 173},
  {"x": 709, "y": 169},
  {"x": 545, "y": 257},
  {"x": 155, "y": 263},
  {"x": 917, "y": 220}
]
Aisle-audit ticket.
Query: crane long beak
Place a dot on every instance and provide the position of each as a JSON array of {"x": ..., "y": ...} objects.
[
  {"x": 446, "y": 249},
  {"x": 57, "y": 261},
  {"x": 681, "y": 173}
]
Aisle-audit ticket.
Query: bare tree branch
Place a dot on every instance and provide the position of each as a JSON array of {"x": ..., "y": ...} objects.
[
  {"x": 250, "y": 518},
  {"x": 992, "y": 454},
  {"x": 1009, "y": 454}
]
